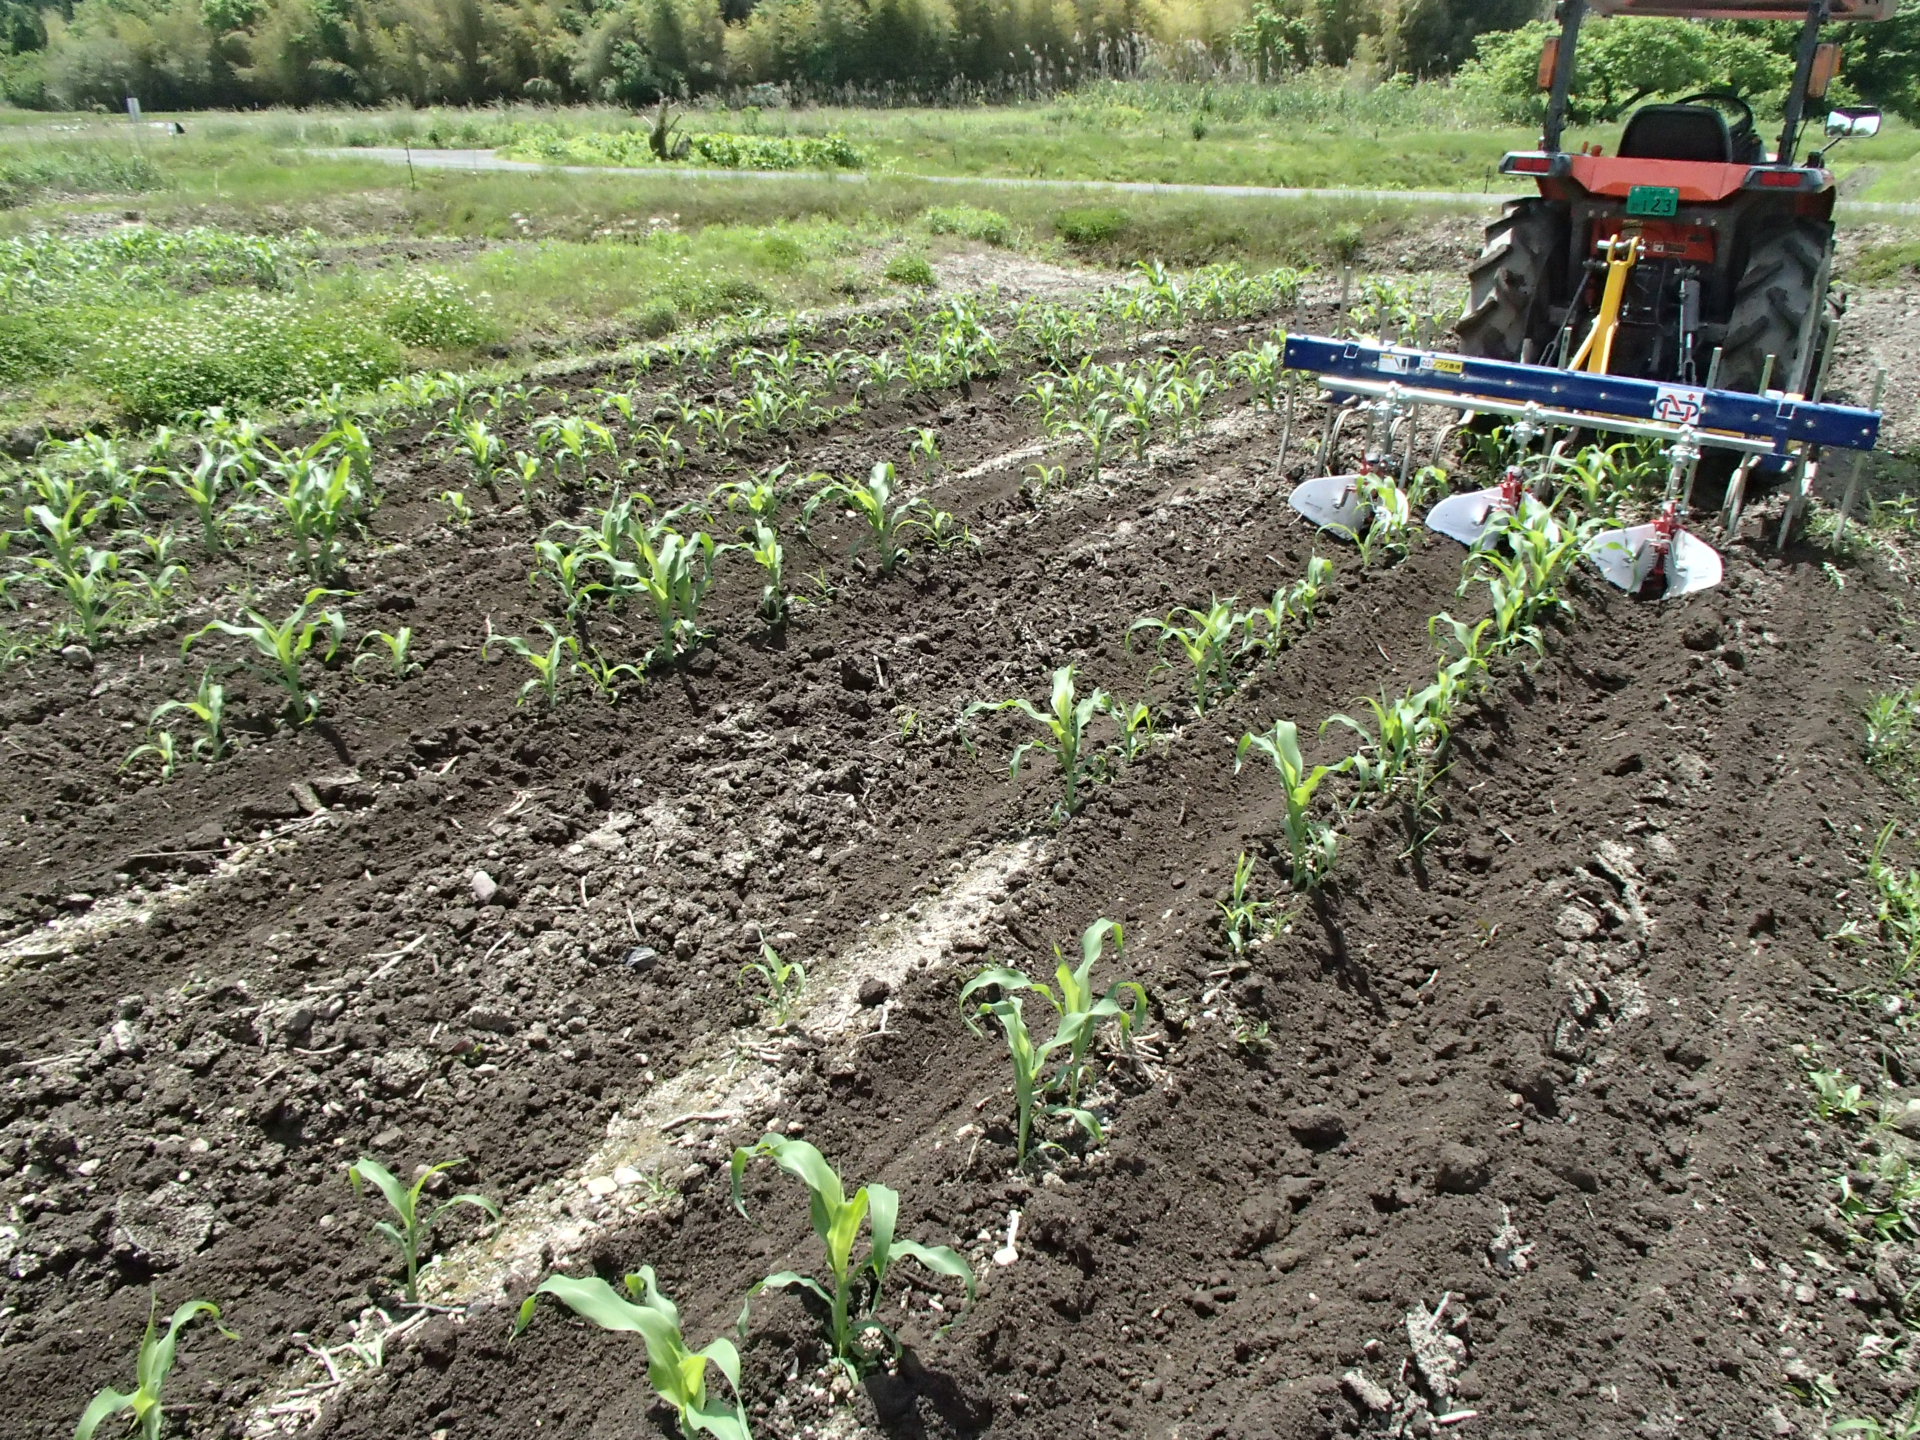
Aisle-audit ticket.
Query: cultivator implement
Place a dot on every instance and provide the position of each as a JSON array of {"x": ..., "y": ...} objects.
[{"x": 1388, "y": 385}]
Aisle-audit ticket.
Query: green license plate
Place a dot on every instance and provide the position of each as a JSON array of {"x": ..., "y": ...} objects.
[{"x": 1653, "y": 200}]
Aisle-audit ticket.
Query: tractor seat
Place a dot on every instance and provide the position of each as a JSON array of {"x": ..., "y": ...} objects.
[{"x": 1678, "y": 132}]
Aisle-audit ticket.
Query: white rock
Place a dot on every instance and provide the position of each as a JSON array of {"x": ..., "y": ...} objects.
[
  {"x": 626, "y": 1175},
  {"x": 601, "y": 1186}
]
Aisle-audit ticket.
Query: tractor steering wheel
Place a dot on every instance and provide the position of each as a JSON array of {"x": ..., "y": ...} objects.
[{"x": 1745, "y": 135}]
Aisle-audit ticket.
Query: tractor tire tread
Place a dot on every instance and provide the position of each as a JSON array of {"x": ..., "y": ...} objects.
[
  {"x": 1508, "y": 280},
  {"x": 1770, "y": 306}
]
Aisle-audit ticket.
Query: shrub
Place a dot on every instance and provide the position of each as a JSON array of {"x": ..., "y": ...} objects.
[
  {"x": 989, "y": 227},
  {"x": 76, "y": 170},
  {"x": 37, "y": 343},
  {"x": 1090, "y": 226},
  {"x": 654, "y": 318},
  {"x": 911, "y": 268},
  {"x": 254, "y": 349},
  {"x": 435, "y": 312}
]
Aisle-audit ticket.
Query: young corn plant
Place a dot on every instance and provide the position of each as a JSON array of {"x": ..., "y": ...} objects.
[
  {"x": 1207, "y": 642},
  {"x": 1048, "y": 1077},
  {"x": 888, "y": 524},
  {"x": 837, "y": 1220},
  {"x": 209, "y": 707},
  {"x": 778, "y": 982},
  {"x": 1065, "y": 722},
  {"x": 678, "y": 1375},
  {"x": 1243, "y": 919},
  {"x": 163, "y": 749},
  {"x": 395, "y": 652},
  {"x": 1893, "y": 732},
  {"x": 281, "y": 648},
  {"x": 770, "y": 555},
  {"x": 485, "y": 452},
  {"x": 611, "y": 678},
  {"x": 414, "y": 1230},
  {"x": 145, "y": 1407},
  {"x": 1405, "y": 735},
  {"x": 206, "y": 488},
  {"x": 94, "y": 587},
  {"x": 1314, "y": 844},
  {"x": 550, "y": 666},
  {"x": 321, "y": 502},
  {"x": 1293, "y": 605},
  {"x": 674, "y": 573}
]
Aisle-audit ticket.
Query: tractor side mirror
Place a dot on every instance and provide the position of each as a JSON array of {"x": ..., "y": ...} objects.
[{"x": 1853, "y": 124}]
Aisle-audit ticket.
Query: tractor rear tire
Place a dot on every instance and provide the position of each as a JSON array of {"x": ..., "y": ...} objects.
[
  {"x": 1782, "y": 286},
  {"x": 1514, "y": 281}
]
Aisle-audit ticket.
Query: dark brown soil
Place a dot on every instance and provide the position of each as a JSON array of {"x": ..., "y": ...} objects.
[{"x": 1572, "y": 1011}]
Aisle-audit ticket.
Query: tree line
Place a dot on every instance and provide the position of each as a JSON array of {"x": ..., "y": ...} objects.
[{"x": 190, "y": 54}]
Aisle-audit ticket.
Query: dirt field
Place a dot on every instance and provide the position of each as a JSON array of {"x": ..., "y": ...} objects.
[{"x": 1514, "y": 1125}]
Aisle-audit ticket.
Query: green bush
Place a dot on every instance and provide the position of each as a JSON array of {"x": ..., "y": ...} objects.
[
  {"x": 36, "y": 343},
  {"x": 655, "y": 318},
  {"x": 76, "y": 170},
  {"x": 722, "y": 149},
  {"x": 249, "y": 350},
  {"x": 1094, "y": 225},
  {"x": 910, "y": 267},
  {"x": 989, "y": 227},
  {"x": 433, "y": 312}
]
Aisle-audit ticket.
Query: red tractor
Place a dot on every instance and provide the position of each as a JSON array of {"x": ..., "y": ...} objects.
[{"x": 1694, "y": 255}]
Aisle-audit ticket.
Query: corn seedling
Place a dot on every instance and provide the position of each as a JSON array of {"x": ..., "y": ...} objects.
[
  {"x": 458, "y": 510},
  {"x": 1057, "y": 1068},
  {"x": 1242, "y": 918},
  {"x": 887, "y": 523},
  {"x": 1903, "y": 1426},
  {"x": 778, "y": 981},
  {"x": 678, "y": 1375},
  {"x": 550, "y": 666},
  {"x": 1312, "y": 842},
  {"x": 609, "y": 677},
  {"x": 837, "y": 1220},
  {"x": 414, "y": 1229},
  {"x": 320, "y": 502},
  {"x": 282, "y": 647},
  {"x": 93, "y": 587},
  {"x": 1293, "y": 605},
  {"x": 770, "y": 555},
  {"x": 568, "y": 569},
  {"x": 163, "y": 749},
  {"x": 1206, "y": 641},
  {"x": 395, "y": 652},
  {"x": 674, "y": 573},
  {"x": 209, "y": 707},
  {"x": 1137, "y": 728},
  {"x": 1081, "y": 1012},
  {"x": 1065, "y": 722},
  {"x": 145, "y": 1407},
  {"x": 1405, "y": 734},
  {"x": 925, "y": 450},
  {"x": 485, "y": 452},
  {"x": 205, "y": 487}
]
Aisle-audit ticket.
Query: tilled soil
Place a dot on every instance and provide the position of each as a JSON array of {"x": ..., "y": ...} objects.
[{"x": 1530, "y": 1082}]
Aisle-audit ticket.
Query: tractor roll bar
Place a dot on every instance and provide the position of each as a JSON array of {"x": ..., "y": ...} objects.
[
  {"x": 1572, "y": 12},
  {"x": 1817, "y": 13}
]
